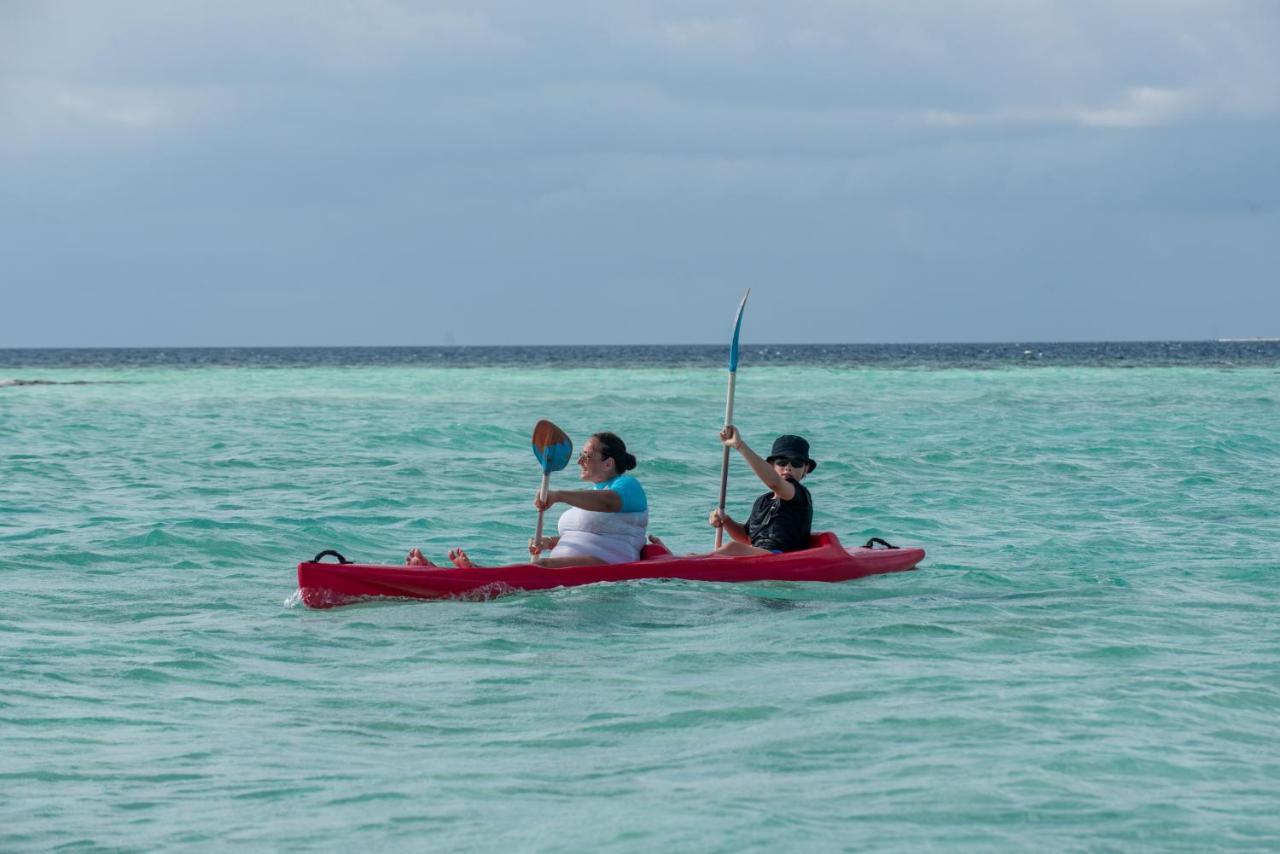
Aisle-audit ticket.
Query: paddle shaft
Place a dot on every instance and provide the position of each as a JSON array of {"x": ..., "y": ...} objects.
[
  {"x": 546, "y": 482},
  {"x": 724, "y": 461}
]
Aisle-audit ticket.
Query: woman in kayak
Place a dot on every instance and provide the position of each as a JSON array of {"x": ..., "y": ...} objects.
[
  {"x": 782, "y": 518},
  {"x": 604, "y": 524}
]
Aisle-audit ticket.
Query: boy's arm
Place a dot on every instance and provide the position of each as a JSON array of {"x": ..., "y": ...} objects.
[
  {"x": 736, "y": 530},
  {"x": 779, "y": 485}
]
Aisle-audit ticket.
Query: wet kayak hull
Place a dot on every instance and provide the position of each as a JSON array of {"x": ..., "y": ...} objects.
[{"x": 324, "y": 585}]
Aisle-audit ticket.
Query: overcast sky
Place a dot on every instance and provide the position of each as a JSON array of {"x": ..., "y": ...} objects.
[{"x": 306, "y": 172}]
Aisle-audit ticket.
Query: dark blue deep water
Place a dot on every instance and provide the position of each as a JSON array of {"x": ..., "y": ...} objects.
[{"x": 928, "y": 356}]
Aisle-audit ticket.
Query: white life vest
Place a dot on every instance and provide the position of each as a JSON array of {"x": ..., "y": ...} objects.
[{"x": 611, "y": 537}]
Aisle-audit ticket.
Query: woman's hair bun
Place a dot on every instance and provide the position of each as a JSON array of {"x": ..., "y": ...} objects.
[{"x": 613, "y": 448}]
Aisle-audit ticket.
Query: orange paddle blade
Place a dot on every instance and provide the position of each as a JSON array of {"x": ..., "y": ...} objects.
[{"x": 551, "y": 446}]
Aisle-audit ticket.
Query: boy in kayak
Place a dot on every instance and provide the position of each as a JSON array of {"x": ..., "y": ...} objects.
[{"x": 781, "y": 518}]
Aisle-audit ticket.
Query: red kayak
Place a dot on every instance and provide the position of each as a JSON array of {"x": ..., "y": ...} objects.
[{"x": 324, "y": 585}]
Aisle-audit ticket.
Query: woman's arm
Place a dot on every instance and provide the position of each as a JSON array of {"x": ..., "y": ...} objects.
[
  {"x": 776, "y": 483},
  {"x": 599, "y": 500}
]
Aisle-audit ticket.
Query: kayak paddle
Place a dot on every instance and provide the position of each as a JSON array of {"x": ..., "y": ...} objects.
[
  {"x": 728, "y": 410},
  {"x": 553, "y": 449}
]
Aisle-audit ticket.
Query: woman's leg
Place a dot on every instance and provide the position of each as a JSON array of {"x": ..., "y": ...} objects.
[
  {"x": 417, "y": 558},
  {"x": 463, "y": 561},
  {"x": 575, "y": 560}
]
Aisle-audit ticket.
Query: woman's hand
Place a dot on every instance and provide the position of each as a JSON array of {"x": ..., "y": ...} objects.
[
  {"x": 729, "y": 436},
  {"x": 543, "y": 503},
  {"x": 543, "y": 544}
]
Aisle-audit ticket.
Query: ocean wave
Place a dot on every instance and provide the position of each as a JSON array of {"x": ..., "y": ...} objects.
[{"x": 19, "y": 382}]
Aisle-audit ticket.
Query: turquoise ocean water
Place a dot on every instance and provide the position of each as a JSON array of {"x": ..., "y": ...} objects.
[{"x": 1088, "y": 658}]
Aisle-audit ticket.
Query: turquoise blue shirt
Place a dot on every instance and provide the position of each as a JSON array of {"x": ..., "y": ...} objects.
[{"x": 629, "y": 490}]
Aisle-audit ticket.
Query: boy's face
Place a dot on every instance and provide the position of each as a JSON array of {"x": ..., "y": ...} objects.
[{"x": 795, "y": 469}]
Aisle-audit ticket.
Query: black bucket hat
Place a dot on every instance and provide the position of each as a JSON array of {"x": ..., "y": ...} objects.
[{"x": 794, "y": 447}]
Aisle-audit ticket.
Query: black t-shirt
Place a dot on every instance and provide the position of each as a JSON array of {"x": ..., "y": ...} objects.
[{"x": 781, "y": 526}]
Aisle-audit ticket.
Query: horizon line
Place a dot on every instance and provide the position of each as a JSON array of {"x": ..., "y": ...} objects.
[{"x": 616, "y": 345}]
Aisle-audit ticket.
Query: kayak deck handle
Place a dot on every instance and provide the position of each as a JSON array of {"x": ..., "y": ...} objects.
[{"x": 328, "y": 553}]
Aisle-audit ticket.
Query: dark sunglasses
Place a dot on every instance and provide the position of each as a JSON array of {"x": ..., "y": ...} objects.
[{"x": 788, "y": 461}]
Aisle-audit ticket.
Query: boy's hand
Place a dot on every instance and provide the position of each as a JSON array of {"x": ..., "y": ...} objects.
[
  {"x": 717, "y": 518},
  {"x": 729, "y": 435}
]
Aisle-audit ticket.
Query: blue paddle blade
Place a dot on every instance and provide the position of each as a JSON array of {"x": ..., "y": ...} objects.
[
  {"x": 737, "y": 327},
  {"x": 551, "y": 446}
]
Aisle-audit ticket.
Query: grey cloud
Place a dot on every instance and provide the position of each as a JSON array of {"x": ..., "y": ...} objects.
[{"x": 653, "y": 145}]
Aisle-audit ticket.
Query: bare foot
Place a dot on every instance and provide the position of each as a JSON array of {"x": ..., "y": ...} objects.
[
  {"x": 657, "y": 541},
  {"x": 417, "y": 558},
  {"x": 460, "y": 559}
]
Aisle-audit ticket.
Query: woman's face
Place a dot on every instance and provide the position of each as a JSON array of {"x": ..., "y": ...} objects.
[{"x": 594, "y": 468}]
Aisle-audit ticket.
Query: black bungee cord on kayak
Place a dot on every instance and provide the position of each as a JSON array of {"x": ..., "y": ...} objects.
[
  {"x": 328, "y": 553},
  {"x": 871, "y": 543}
]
